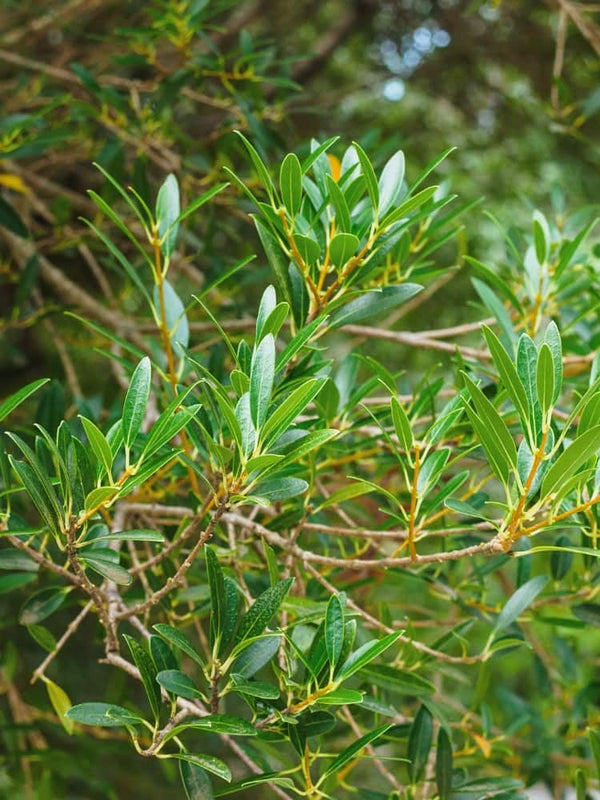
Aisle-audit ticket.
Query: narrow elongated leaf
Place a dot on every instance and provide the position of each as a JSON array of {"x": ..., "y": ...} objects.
[
  {"x": 416, "y": 201},
  {"x": 99, "y": 444},
  {"x": 276, "y": 258},
  {"x": 280, "y": 488},
  {"x": 61, "y": 704},
  {"x": 179, "y": 640},
  {"x": 290, "y": 182},
  {"x": 492, "y": 431},
  {"x": 262, "y": 372},
  {"x": 571, "y": 459},
  {"x": 519, "y": 601},
  {"x": 167, "y": 212},
  {"x": 107, "y": 568},
  {"x": 41, "y": 604},
  {"x": 161, "y": 654},
  {"x": 334, "y": 630},
  {"x": 142, "y": 535},
  {"x": 552, "y": 339},
  {"x": 508, "y": 373},
  {"x": 350, "y": 752},
  {"x": 260, "y": 613},
  {"x": 365, "y": 654},
  {"x": 217, "y": 592},
  {"x": 195, "y": 781},
  {"x": 260, "y": 167},
  {"x": 260, "y": 689},
  {"x": 254, "y": 657},
  {"x": 211, "y": 764},
  {"x": 390, "y": 182},
  {"x": 545, "y": 380},
  {"x": 15, "y": 400},
  {"x": 419, "y": 743},
  {"x": 443, "y": 765},
  {"x": 147, "y": 672},
  {"x": 100, "y": 715},
  {"x": 369, "y": 175},
  {"x": 178, "y": 683},
  {"x": 376, "y": 302},
  {"x": 402, "y": 426},
  {"x": 293, "y": 405},
  {"x": 174, "y": 314},
  {"x": 136, "y": 401},
  {"x": 36, "y": 492}
]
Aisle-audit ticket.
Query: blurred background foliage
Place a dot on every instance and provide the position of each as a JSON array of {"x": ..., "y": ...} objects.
[{"x": 149, "y": 88}]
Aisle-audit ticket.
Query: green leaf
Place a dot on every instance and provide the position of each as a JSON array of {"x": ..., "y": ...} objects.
[
  {"x": 260, "y": 168},
  {"x": 491, "y": 431},
  {"x": 545, "y": 381},
  {"x": 141, "y": 535},
  {"x": 390, "y": 182},
  {"x": 343, "y": 222},
  {"x": 341, "y": 697},
  {"x": 217, "y": 592},
  {"x": 508, "y": 373},
  {"x": 519, "y": 601},
  {"x": 195, "y": 782},
  {"x": 409, "y": 205},
  {"x": 209, "y": 763},
  {"x": 309, "y": 248},
  {"x": 495, "y": 307},
  {"x": 443, "y": 765},
  {"x": 167, "y": 212},
  {"x": 177, "y": 682},
  {"x": 174, "y": 313},
  {"x": 255, "y": 656},
  {"x": 8, "y": 583},
  {"x": 199, "y": 201},
  {"x": 15, "y": 559},
  {"x": 419, "y": 743},
  {"x": 588, "y": 612},
  {"x": 14, "y": 400},
  {"x": 41, "y": 604},
  {"x": 577, "y": 453},
  {"x": 179, "y": 640},
  {"x": 99, "y": 715},
  {"x": 99, "y": 444},
  {"x": 334, "y": 630},
  {"x": 161, "y": 654},
  {"x": 541, "y": 237},
  {"x": 136, "y": 401},
  {"x": 10, "y": 220},
  {"x": 260, "y": 689},
  {"x": 220, "y": 723},
  {"x": 169, "y": 423},
  {"x": 594, "y": 737},
  {"x": 345, "y": 493},
  {"x": 350, "y": 752},
  {"x": 262, "y": 372},
  {"x": 402, "y": 426},
  {"x": 260, "y": 613},
  {"x": 99, "y": 497},
  {"x": 342, "y": 247},
  {"x": 552, "y": 339},
  {"x": 280, "y": 488},
  {"x": 36, "y": 492},
  {"x": 365, "y": 654},
  {"x": 61, "y": 704},
  {"x": 148, "y": 673},
  {"x": 376, "y": 302},
  {"x": 290, "y": 182},
  {"x": 294, "y": 404},
  {"x": 369, "y": 175},
  {"x": 107, "y": 568}
]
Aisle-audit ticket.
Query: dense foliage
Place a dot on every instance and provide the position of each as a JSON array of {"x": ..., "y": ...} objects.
[{"x": 267, "y": 528}]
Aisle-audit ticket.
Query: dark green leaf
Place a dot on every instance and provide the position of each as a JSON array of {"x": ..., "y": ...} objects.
[
  {"x": 419, "y": 743},
  {"x": 148, "y": 673},
  {"x": 136, "y": 401}
]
